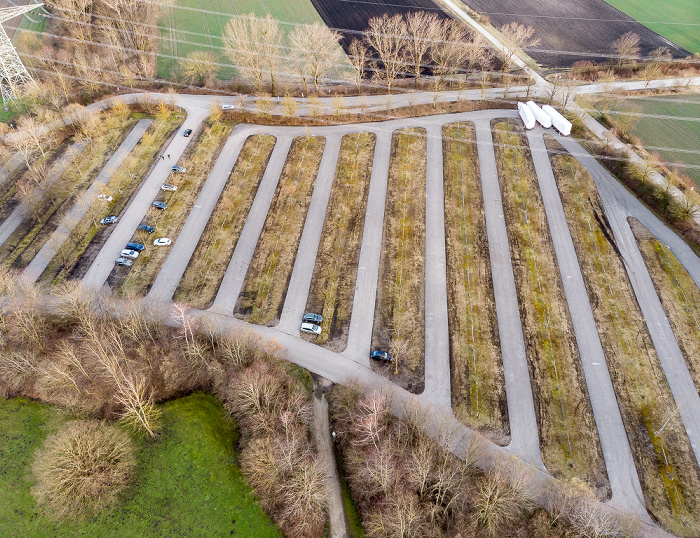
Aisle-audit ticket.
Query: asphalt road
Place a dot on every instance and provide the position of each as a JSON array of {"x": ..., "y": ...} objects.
[
  {"x": 48, "y": 251},
  {"x": 128, "y": 222},
  {"x": 622, "y": 473}
]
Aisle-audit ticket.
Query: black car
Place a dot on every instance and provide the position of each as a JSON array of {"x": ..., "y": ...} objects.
[
  {"x": 147, "y": 228},
  {"x": 313, "y": 318},
  {"x": 160, "y": 205},
  {"x": 138, "y": 247},
  {"x": 187, "y": 132},
  {"x": 380, "y": 356}
]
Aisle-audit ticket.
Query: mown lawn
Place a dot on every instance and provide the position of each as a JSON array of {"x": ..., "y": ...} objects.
[
  {"x": 677, "y": 21},
  {"x": 187, "y": 481}
]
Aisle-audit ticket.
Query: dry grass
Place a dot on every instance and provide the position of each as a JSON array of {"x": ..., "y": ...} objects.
[
  {"x": 138, "y": 279},
  {"x": 266, "y": 282},
  {"x": 59, "y": 198},
  {"x": 210, "y": 260},
  {"x": 679, "y": 295},
  {"x": 85, "y": 241},
  {"x": 569, "y": 440},
  {"x": 478, "y": 389},
  {"x": 399, "y": 314},
  {"x": 82, "y": 468},
  {"x": 333, "y": 282},
  {"x": 665, "y": 461}
]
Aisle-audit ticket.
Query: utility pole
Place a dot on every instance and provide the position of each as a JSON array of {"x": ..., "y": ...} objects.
[{"x": 13, "y": 74}]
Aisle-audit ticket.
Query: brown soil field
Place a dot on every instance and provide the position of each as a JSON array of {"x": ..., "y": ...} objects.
[
  {"x": 568, "y": 436},
  {"x": 570, "y": 31},
  {"x": 265, "y": 287},
  {"x": 333, "y": 283},
  {"x": 399, "y": 311},
  {"x": 476, "y": 369},
  {"x": 210, "y": 260},
  {"x": 665, "y": 462}
]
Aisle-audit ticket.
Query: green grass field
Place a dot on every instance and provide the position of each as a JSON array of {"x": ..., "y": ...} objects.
[
  {"x": 187, "y": 481},
  {"x": 677, "y": 21},
  {"x": 682, "y": 134},
  {"x": 188, "y": 21}
]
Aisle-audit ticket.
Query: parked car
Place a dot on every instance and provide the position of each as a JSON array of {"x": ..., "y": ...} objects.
[
  {"x": 104, "y": 198},
  {"x": 168, "y": 187},
  {"x": 147, "y": 228},
  {"x": 160, "y": 205},
  {"x": 187, "y": 132},
  {"x": 311, "y": 328},
  {"x": 228, "y": 107},
  {"x": 109, "y": 220},
  {"x": 379, "y": 355},
  {"x": 162, "y": 242},
  {"x": 128, "y": 253},
  {"x": 313, "y": 318},
  {"x": 178, "y": 169},
  {"x": 138, "y": 247},
  {"x": 123, "y": 262}
]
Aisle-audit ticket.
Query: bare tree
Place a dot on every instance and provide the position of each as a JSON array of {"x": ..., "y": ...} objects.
[
  {"x": 199, "y": 66},
  {"x": 316, "y": 50},
  {"x": 450, "y": 50},
  {"x": 387, "y": 35},
  {"x": 627, "y": 48},
  {"x": 517, "y": 37},
  {"x": 653, "y": 68},
  {"x": 422, "y": 31},
  {"x": 359, "y": 58}
]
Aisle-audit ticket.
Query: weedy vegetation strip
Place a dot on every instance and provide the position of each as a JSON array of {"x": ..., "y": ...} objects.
[
  {"x": 266, "y": 282},
  {"x": 333, "y": 282},
  {"x": 399, "y": 312},
  {"x": 568, "y": 436},
  {"x": 208, "y": 264},
  {"x": 478, "y": 389},
  {"x": 667, "y": 468}
]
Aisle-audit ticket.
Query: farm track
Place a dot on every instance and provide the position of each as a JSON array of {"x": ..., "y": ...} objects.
[{"x": 334, "y": 366}]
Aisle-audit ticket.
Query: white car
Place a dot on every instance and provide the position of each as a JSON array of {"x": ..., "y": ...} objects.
[
  {"x": 129, "y": 253},
  {"x": 168, "y": 187},
  {"x": 105, "y": 198},
  {"x": 228, "y": 107},
  {"x": 311, "y": 328},
  {"x": 162, "y": 242}
]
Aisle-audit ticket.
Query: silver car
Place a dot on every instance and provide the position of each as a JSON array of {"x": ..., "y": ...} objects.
[
  {"x": 310, "y": 328},
  {"x": 130, "y": 253},
  {"x": 123, "y": 262}
]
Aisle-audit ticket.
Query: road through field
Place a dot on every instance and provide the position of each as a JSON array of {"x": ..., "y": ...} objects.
[
  {"x": 48, "y": 251},
  {"x": 619, "y": 463}
]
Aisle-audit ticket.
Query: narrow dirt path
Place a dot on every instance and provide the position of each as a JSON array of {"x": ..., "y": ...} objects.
[{"x": 324, "y": 445}]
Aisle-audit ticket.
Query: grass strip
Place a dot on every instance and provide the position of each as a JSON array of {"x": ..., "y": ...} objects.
[
  {"x": 679, "y": 295},
  {"x": 663, "y": 456},
  {"x": 569, "y": 438},
  {"x": 210, "y": 260},
  {"x": 266, "y": 282},
  {"x": 193, "y": 462},
  {"x": 333, "y": 283},
  {"x": 478, "y": 388},
  {"x": 137, "y": 280},
  {"x": 399, "y": 312},
  {"x": 39, "y": 225},
  {"x": 74, "y": 257}
]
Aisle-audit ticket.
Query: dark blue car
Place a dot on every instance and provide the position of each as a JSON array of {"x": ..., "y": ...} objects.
[
  {"x": 147, "y": 228},
  {"x": 380, "y": 356},
  {"x": 138, "y": 247}
]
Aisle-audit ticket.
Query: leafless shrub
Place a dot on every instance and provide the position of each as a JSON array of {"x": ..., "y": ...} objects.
[
  {"x": 401, "y": 517},
  {"x": 82, "y": 468},
  {"x": 16, "y": 367},
  {"x": 500, "y": 501}
]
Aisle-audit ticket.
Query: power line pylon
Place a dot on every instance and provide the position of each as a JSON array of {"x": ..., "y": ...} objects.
[{"x": 13, "y": 74}]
